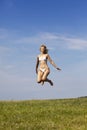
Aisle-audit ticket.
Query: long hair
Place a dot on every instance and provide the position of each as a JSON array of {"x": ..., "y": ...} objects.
[{"x": 46, "y": 50}]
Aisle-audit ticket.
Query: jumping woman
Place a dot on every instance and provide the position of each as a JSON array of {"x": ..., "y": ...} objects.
[{"x": 42, "y": 68}]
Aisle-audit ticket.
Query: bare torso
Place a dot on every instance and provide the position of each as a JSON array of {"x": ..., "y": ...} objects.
[{"x": 43, "y": 61}]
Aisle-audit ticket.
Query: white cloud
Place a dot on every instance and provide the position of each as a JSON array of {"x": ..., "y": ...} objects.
[
  {"x": 60, "y": 40},
  {"x": 56, "y": 39},
  {"x": 76, "y": 43},
  {"x": 68, "y": 42}
]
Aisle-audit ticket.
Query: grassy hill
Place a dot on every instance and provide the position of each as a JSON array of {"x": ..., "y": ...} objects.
[{"x": 63, "y": 114}]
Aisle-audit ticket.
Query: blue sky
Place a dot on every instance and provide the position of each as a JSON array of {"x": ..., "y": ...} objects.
[{"x": 24, "y": 26}]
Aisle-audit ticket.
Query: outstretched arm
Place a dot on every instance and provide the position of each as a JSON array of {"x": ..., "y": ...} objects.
[
  {"x": 51, "y": 61},
  {"x": 37, "y": 63}
]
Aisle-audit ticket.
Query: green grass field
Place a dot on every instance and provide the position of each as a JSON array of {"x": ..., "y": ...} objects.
[{"x": 63, "y": 114}]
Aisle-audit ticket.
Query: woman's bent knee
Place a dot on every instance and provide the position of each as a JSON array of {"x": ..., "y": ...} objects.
[{"x": 39, "y": 81}]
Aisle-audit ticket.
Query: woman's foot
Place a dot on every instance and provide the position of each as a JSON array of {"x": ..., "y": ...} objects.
[
  {"x": 42, "y": 82},
  {"x": 51, "y": 83}
]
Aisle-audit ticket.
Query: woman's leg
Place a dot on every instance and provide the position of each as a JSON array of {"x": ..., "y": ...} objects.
[
  {"x": 39, "y": 76},
  {"x": 44, "y": 77},
  {"x": 48, "y": 80}
]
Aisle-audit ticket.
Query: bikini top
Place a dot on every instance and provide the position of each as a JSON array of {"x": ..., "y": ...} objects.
[{"x": 42, "y": 58}]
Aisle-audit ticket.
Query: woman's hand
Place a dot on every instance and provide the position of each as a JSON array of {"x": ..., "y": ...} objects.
[{"x": 58, "y": 68}]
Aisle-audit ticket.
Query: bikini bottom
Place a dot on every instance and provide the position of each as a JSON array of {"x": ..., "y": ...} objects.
[{"x": 42, "y": 69}]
